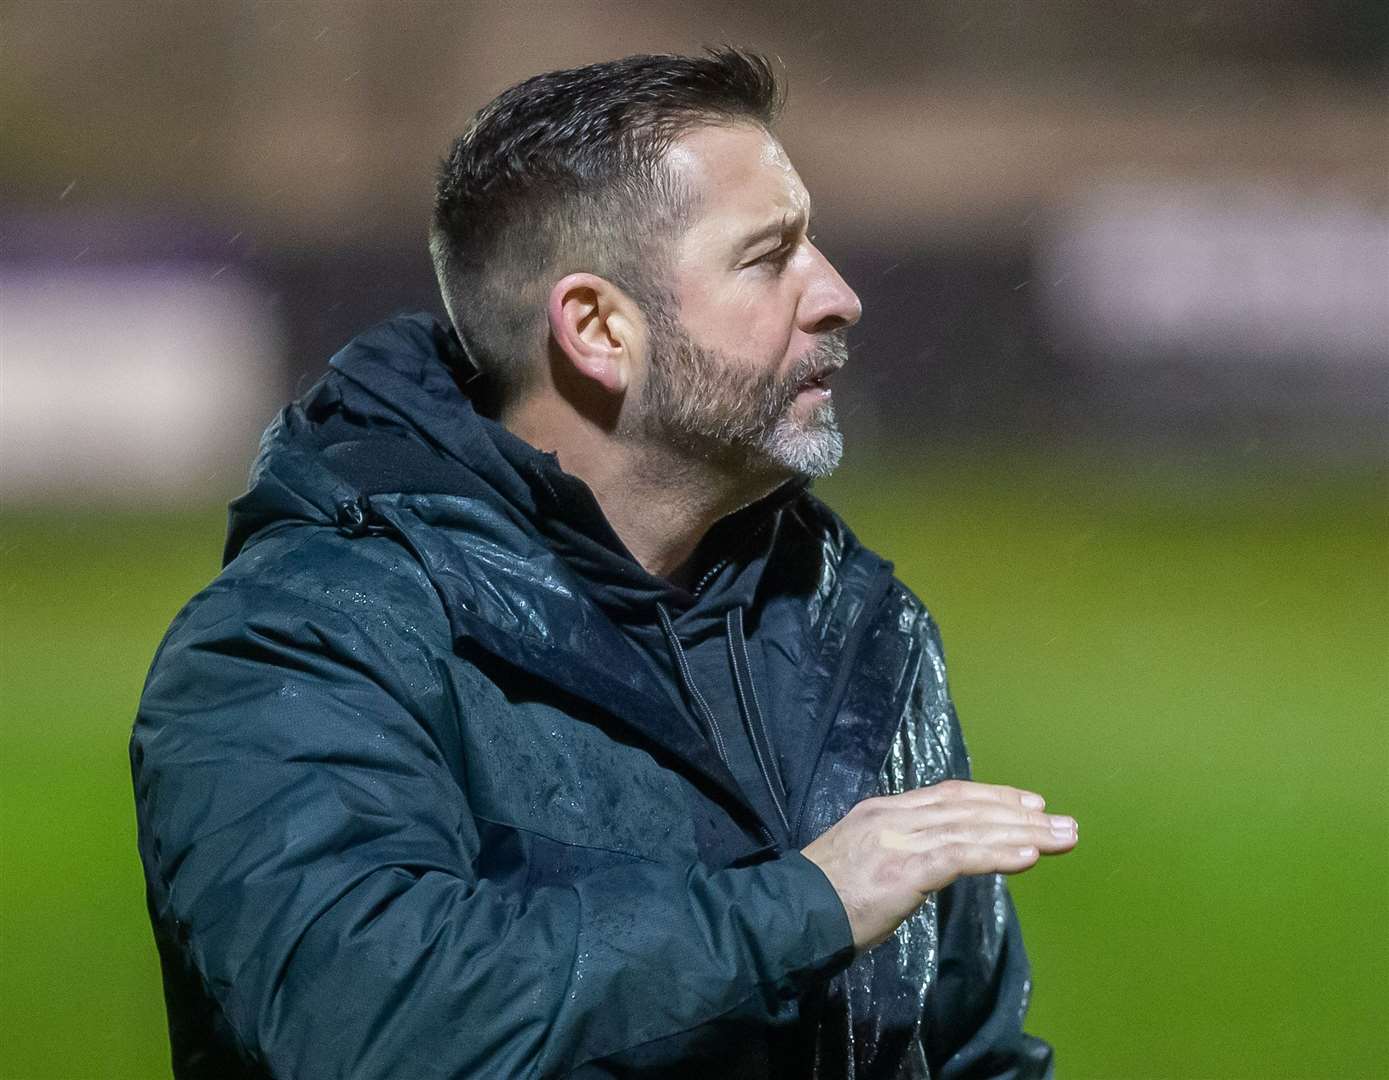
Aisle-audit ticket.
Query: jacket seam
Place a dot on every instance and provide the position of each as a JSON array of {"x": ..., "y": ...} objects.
[
  {"x": 566, "y": 843},
  {"x": 232, "y": 588}
]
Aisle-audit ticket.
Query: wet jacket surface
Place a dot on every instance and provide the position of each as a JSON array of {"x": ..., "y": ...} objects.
[{"x": 426, "y": 788}]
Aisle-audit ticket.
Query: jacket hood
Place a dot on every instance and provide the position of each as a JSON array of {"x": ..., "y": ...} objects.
[{"x": 392, "y": 416}]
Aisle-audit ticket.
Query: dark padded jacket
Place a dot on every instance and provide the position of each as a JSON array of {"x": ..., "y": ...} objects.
[{"x": 414, "y": 801}]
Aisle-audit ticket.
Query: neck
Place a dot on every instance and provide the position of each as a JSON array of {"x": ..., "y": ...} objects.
[{"x": 660, "y": 502}]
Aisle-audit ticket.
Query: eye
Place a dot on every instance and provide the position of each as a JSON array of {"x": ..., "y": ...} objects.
[{"x": 778, "y": 257}]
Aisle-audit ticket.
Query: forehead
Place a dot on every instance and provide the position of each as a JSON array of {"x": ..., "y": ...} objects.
[{"x": 739, "y": 174}]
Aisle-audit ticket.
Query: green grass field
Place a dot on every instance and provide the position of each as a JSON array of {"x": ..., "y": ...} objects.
[{"x": 1196, "y": 667}]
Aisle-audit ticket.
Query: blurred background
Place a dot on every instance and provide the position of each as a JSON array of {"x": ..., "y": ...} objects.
[{"x": 1116, "y": 409}]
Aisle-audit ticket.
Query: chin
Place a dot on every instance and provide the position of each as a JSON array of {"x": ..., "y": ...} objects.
[{"x": 810, "y": 450}]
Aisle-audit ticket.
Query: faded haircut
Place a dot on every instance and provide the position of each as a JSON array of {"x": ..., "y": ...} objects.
[{"x": 566, "y": 172}]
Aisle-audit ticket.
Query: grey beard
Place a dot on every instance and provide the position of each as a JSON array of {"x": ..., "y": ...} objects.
[
  {"x": 813, "y": 450},
  {"x": 705, "y": 405}
]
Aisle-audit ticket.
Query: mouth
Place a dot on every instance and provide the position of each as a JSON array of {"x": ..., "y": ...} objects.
[
  {"x": 818, "y": 381},
  {"x": 817, "y": 368}
]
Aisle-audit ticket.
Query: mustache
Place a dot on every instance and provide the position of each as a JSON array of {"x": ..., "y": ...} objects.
[
  {"x": 775, "y": 395},
  {"x": 829, "y": 355}
]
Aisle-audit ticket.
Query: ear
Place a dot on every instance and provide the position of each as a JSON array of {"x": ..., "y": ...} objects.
[{"x": 598, "y": 328}]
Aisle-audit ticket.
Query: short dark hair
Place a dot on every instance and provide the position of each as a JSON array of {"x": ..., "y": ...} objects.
[{"x": 566, "y": 172}]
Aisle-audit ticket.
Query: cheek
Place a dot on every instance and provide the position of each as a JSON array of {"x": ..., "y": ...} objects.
[
  {"x": 766, "y": 331},
  {"x": 746, "y": 318}
]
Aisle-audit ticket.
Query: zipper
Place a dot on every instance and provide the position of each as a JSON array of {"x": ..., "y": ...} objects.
[
  {"x": 751, "y": 708},
  {"x": 714, "y": 570}
]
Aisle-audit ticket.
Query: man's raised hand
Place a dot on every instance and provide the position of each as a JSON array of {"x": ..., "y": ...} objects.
[{"x": 886, "y": 854}]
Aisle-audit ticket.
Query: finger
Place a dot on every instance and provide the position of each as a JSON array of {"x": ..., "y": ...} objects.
[
  {"x": 956, "y": 814},
  {"x": 957, "y": 791},
  {"x": 935, "y": 869},
  {"x": 1049, "y": 839}
]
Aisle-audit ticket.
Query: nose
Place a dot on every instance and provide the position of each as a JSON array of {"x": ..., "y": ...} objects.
[{"x": 827, "y": 303}]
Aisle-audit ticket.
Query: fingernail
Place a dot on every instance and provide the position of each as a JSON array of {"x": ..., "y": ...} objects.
[
  {"x": 1062, "y": 826},
  {"x": 1033, "y": 802}
]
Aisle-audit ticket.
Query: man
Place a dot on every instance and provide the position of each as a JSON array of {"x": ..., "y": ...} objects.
[{"x": 541, "y": 722}]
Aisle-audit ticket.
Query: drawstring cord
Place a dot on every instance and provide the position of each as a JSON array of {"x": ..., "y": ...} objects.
[
  {"x": 751, "y": 707},
  {"x": 748, "y": 704},
  {"x": 682, "y": 665}
]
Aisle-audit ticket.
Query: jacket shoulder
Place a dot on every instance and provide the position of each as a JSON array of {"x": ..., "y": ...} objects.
[
  {"x": 307, "y": 639},
  {"x": 311, "y": 583},
  {"x": 840, "y": 545},
  {"x": 899, "y": 607},
  {"x": 814, "y": 515}
]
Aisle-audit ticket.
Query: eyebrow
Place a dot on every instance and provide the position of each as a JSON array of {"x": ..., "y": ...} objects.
[{"x": 779, "y": 228}]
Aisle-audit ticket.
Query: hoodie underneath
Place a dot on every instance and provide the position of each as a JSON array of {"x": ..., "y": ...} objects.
[
  {"x": 705, "y": 645},
  {"x": 723, "y": 686}
]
